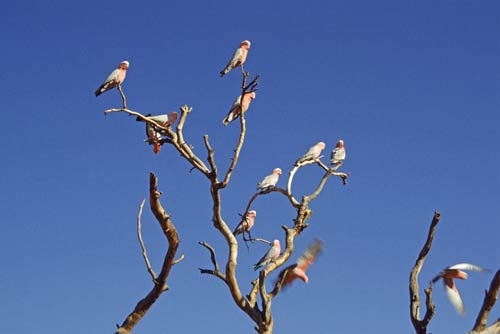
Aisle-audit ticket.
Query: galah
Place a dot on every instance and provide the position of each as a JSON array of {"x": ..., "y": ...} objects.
[
  {"x": 235, "y": 110},
  {"x": 338, "y": 153},
  {"x": 154, "y": 138},
  {"x": 114, "y": 79},
  {"x": 246, "y": 224},
  {"x": 298, "y": 270},
  {"x": 313, "y": 153},
  {"x": 448, "y": 274},
  {"x": 164, "y": 120},
  {"x": 270, "y": 180},
  {"x": 272, "y": 254},
  {"x": 239, "y": 57},
  {"x": 154, "y": 133}
]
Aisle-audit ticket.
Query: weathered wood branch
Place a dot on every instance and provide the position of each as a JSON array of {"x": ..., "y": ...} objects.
[
  {"x": 490, "y": 298},
  {"x": 421, "y": 325},
  {"x": 160, "y": 286},
  {"x": 175, "y": 138},
  {"x": 216, "y": 271}
]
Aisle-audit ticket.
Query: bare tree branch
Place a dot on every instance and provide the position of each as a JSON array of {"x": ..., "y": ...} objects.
[
  {"x": 490, "y": 298},
  {"x": 176, "y": 138},
  {"x": 124, "y": 99},
  {"x": 139, "y": 235},
  {"x": 170, "y": 233},
  {"x": 216, "y": 272},
  {"x": 421, "y": 325}
]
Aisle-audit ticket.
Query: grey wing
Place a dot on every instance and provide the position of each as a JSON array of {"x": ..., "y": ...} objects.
[
  {"x": 159, "y": 118},
  {"x": 112, "y": 76},
  {"x": 236, "y": 56},
  {"x": 467, "y": 266}
]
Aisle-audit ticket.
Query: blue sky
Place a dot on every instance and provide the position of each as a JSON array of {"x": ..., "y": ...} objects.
[{"x": 411, "y": 87}]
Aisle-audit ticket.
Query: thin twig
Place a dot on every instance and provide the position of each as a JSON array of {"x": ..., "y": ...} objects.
[
  {"x": 124, "y": 99},
  {"x": 139, "y": 235}
]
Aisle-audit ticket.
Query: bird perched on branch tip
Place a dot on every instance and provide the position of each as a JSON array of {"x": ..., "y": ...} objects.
[{"x": 114, "y": 79}]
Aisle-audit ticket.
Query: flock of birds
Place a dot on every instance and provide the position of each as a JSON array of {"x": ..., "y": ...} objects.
[{"x": 337, "y": 156}]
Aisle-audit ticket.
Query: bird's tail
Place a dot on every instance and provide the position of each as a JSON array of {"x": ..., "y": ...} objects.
[
  {"x": 98, "y": 92},
  {"x": 156, "y": 148}
]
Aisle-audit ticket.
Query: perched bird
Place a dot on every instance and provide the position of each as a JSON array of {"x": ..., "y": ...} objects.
[
  {"x": 298, "y": 270},
  {"x": 154, "y": 138},
  {"x": 114, "y": 79},
  {"x": 239, "y": 57},
  {"x": 272, "y": 254},
  {"x": 235, "y": 110},
  {"x": 448, "y": 274},
  {"x": 246, "y": 224},
  {"x": 165, "y": 120},
  {"x": 270, "y": 180},
  {"x": 313, "y": 153},
  {"x": 154, "y": 133},
  {"x": 338, "y": 153}
]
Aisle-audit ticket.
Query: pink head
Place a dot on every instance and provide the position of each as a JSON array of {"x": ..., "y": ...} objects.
[
  {"x": 340, "y": 143},
  {"x": 277, "y": 171},
  {"x": 245, "y": 44},
  {"x": 173, "y": 116},
  {"x": 123, "y": 65},
  {"x": 252, "y": 214},
  {"x": 321, "y": 145},
  {"x": 276, "y": 243},
  {"x": 252, "y": 95},
  {"x": 301, "y": 274}
]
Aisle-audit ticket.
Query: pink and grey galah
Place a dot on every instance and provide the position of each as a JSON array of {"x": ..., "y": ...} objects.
[
  {"x": 154, "y": 134},
  {"x": 270, "y": 180},
  {"x": 338, "y": 154},
  {"x": 246, "y": 223},
  {"x": 313, "y": 153},
  {"x": 456, "y": 271},
  {"x": 272, "y": 254},
  {"x": 235, "y": 110},
  {"x": 114, "y": 79},
  {"x": 239, "y": 57},
  {"x": 298, "y": 270}
]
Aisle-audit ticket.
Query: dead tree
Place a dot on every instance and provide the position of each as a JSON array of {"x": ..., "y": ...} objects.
[
  {"x": 261, "y": 314},
  {"x": 420, "y": 325}
]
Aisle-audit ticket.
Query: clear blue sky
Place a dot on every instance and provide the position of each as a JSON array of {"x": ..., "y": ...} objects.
[{"x": 413, "y": 88}]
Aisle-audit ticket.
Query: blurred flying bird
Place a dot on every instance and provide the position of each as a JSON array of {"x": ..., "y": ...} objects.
[
  {"x": 448, "y": 274},
  {"x": 298, "y": 270}
]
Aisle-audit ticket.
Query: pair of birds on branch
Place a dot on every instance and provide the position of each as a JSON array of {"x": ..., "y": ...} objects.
[
  {"x": 240, "y": 105},
  {"x": 337, "y": 155}
]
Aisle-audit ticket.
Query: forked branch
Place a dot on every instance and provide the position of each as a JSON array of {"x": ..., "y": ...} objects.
[
  {"x": 421, "y": 325},
  {"x": 160, "y": 286}
]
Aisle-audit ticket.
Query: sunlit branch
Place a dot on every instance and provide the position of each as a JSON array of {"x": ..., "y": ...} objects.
[{"x": 421, "y": 325}]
